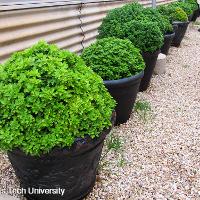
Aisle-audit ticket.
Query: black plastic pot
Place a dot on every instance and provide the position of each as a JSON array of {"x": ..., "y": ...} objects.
[
  {"x": 124, "y": 91},
  {"x": 175, "y": 27},
  {"x": 190, "y": 17},
  {"x": 150, "y": 62},
  {"x": 73, "y": 169},
  {"x": 198, "y": 11},
  {"x": 167, "y": 43},
  {"x": 179, "y": 33},
  {"x": 195, "y": 15}
]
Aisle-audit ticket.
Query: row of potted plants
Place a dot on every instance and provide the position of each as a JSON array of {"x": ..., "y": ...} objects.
[
  {"x": 56, "y": 108},
  {"x": 149, "y": 30}
]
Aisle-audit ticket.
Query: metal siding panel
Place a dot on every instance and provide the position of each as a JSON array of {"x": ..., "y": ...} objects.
[
  {"x": 92, "y": 14},
  {"x": 161, "y": 2},
  {"x": 21, "y": 29},
  {"x": 10, "y": 19},
  {"x": 35, "y": 4},
  {"x": 63, "y": 25}
]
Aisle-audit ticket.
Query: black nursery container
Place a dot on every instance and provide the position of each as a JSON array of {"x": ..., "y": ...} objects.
[
  {"x": 124, "y": 91},
  {"x": 179, "y": 33},
  {"x": 150, "y": 62},
  {"x": 190, "y": 17},
  {"x": 73, "y": 169},
  {"x": 167, "y": 43},
  {"x": 195, "y": 15}
]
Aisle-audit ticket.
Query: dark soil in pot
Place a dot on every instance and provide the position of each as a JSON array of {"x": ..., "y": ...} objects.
[
  {"x": 195, "y": 15},
  {"x": 167, "y": 43},
  {"x": 150, "y": 62},
  {"x": 73, "y": 169},
  {"x": 124, "y": 91},
  {"x": 179, "y": 33}
]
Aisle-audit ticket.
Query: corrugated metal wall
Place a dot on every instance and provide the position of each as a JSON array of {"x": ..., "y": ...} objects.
[{"x": 71, "y": 25}]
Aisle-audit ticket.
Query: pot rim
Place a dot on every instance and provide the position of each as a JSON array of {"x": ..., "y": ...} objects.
[
  {"x": 124, "y": 81},
  {"x": 179, "y": 22},
  {"x": 150, "y": 53},
  {"x": 169, "y": 35}
]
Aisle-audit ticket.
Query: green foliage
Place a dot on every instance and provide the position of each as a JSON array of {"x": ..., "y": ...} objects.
[
  {"x": 113, "y": 143},
  {"x": 113, "y": 58},
  {"x": 48, "y": 98},
  {"x": 153, "y": 15},
  {"x": 193, "y": 4},
  {"x": 191, "y": 1},
  {"x": 111, "y": 24},
  {"x": 173, "y": 13},
  {"x": 144, "y": 27},
  {"x": 121, "y": 161},
  {"x": 179, "y": 15},
  {"x": 187, "y": 8},
  {"x": 144, "y": 35},
  {"x": 165, "y": 10},
  {"x": 168, "y": 25},
  {"x": 142, "y": 107},
  {"x": 126, "y": 13},
  {"x": 110, "y": 28}
]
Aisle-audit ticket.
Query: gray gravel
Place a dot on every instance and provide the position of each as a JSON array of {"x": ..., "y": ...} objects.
[{"x": 161, "y": 155}]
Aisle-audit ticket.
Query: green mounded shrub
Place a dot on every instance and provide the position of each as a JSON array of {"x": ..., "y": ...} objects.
[
  {"x": 110, "y": 28},
  {"x": 111, "y": 24},
  {"x": 179, "y": 15},
  {"x": 165, "y": 10},
  {"x": 153, "y": 15},
  {"x": 113, "y": 58},
  {"x": 193, "y": 4},
  {"x": 114, "y": 21},
  {"x": 168, "y": 25},
  {"x": 173, "y": 13},
  {"x": 48, "y": 99},
  {"x": 144, "y": 35},
  {"x": 126, "y": 13},
  {"x": 187, "y": 8}
]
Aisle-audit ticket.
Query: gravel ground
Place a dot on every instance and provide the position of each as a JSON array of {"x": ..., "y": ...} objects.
[{"x": 160, "y": 156}]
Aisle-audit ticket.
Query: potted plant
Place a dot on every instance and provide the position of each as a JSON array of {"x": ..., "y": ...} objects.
[
  {"x": 148, "y": 38},
  {"x": 163, "y": 23},
  {"x": 182, "y": 23},
  {"x": 116, "y": 18},
  {"x": 168, "y": 38},
  {"x": 195, "y": 15},
  {"x": 121, "y": 67},
  {"x": 195, "y": 7},
  {"x": 187, "y": 8},
  {"x": 55, "y": 113},
  {"x": 179, "y": 19}
]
